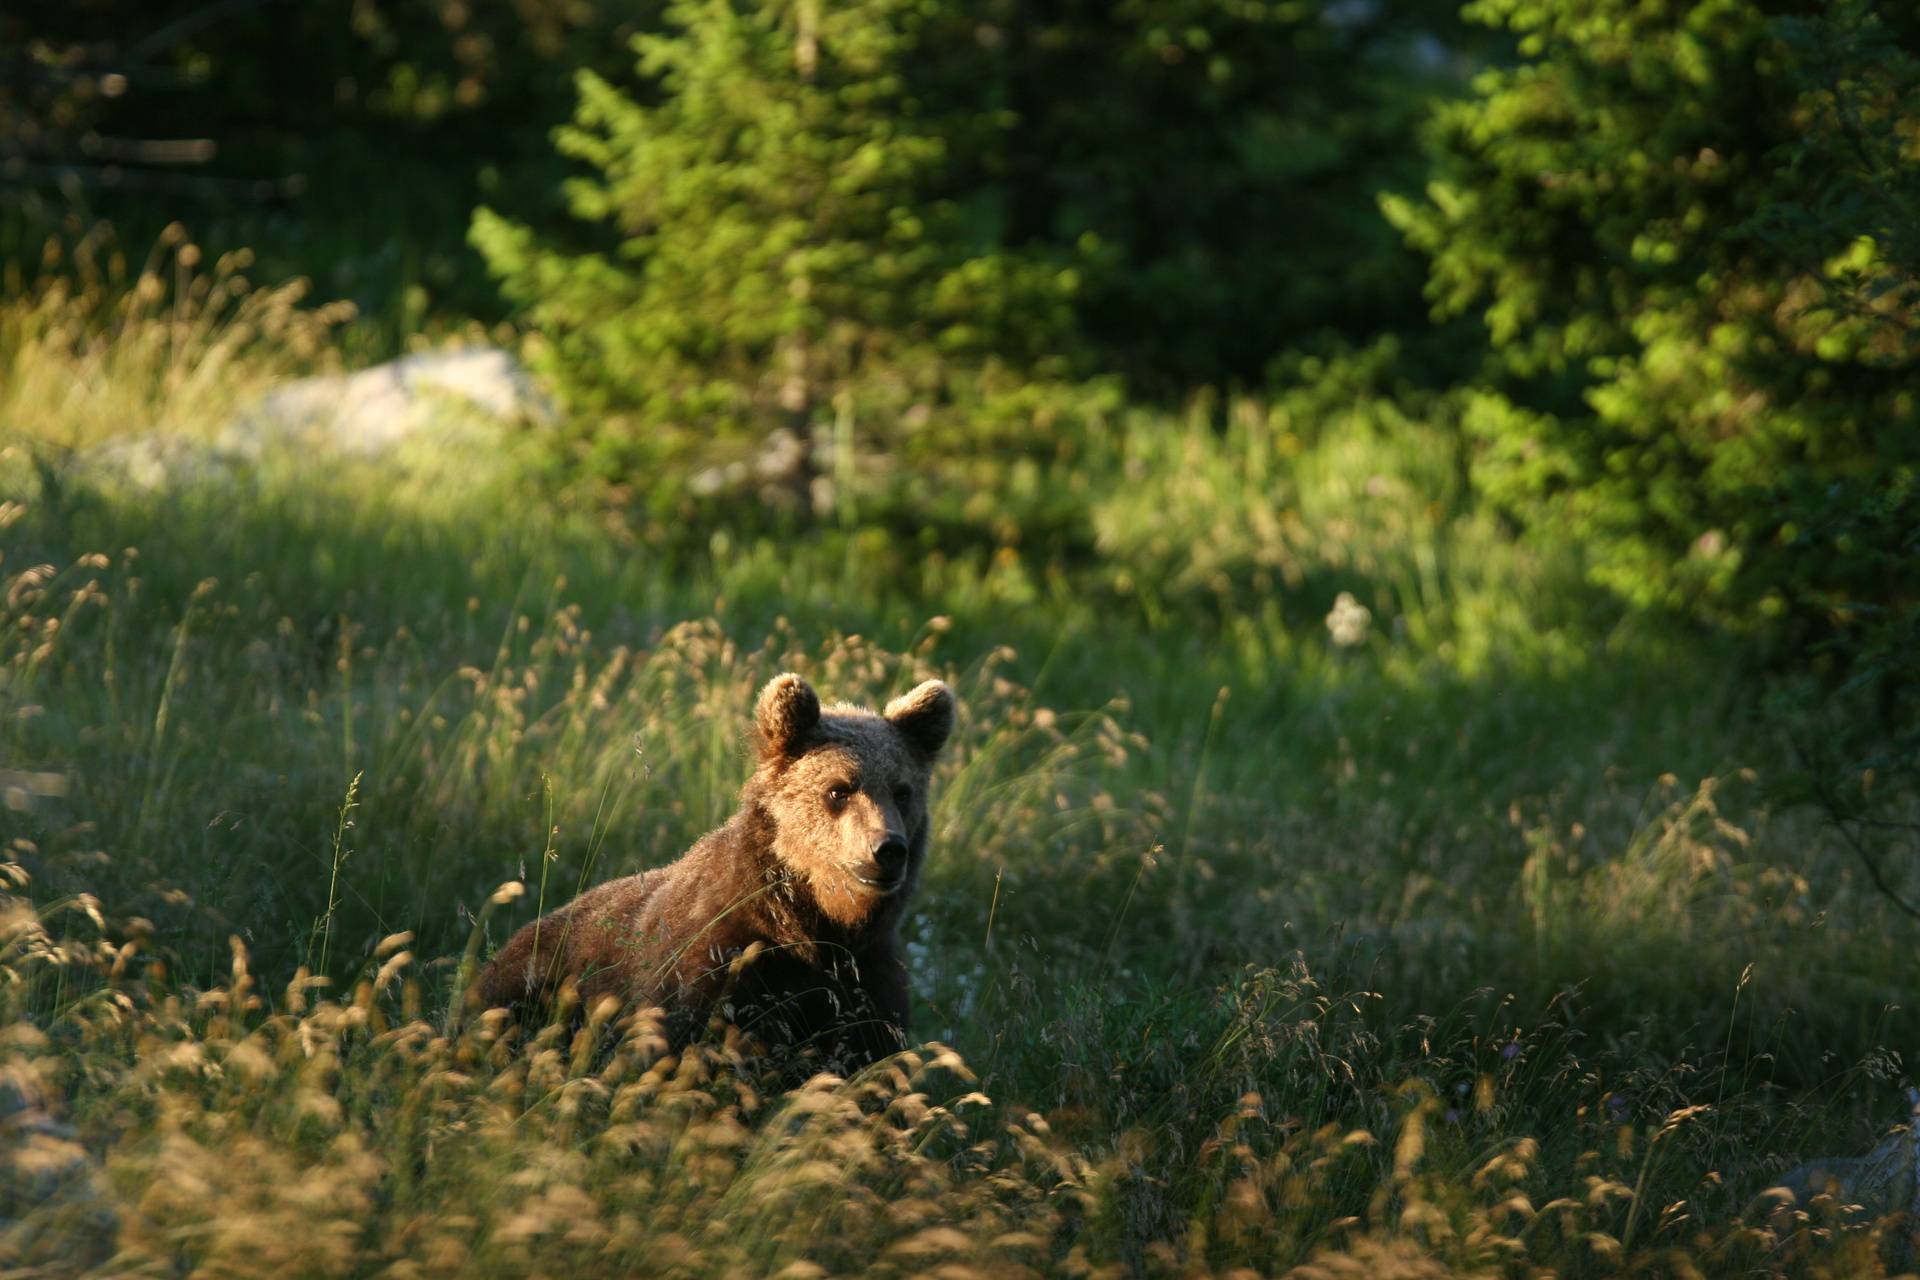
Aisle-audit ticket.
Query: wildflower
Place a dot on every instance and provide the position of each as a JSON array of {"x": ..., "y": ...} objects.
[{"x": 1347, "y": 622}]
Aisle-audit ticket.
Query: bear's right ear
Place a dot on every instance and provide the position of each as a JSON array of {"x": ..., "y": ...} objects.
[{"x": 788, "y": 710}]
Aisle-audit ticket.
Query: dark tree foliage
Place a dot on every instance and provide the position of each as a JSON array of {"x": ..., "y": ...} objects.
[
  {"x": 1226, "y": 157},
  {"x": 343, "y": 139}
]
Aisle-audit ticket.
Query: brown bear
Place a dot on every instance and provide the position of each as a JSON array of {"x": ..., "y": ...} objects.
[{"x": 816, "y": 868}]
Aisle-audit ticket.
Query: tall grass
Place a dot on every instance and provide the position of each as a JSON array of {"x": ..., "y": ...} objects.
[
  {"x": 244, "y": 1130},
  {"x": 1475, "y": 945},
  {"x": 99, "y": 347}
]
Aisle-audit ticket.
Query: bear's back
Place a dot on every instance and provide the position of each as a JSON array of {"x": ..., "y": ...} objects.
[{"x": 599, "y": 939}]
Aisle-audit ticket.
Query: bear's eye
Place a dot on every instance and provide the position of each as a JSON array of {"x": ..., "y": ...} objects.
[
  {"x": 902, "y": 796},
  {"x": 838, "y": 794}
]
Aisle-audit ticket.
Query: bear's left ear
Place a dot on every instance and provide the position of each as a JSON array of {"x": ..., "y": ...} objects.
[
  {"x": 787, "y": 711},
  {"x": 924, "y": 717}
]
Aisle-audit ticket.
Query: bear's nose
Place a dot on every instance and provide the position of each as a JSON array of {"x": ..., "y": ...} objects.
[{"x": 891, "y": 855}]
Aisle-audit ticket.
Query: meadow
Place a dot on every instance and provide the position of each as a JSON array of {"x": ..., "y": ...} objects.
[{"x": 1326, "y": 879}]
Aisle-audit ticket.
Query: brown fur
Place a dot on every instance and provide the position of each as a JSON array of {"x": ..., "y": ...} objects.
[{"x": 795, "y": 883}]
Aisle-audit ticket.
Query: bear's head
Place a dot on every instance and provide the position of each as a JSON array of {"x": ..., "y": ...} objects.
[{"x": 845, "y": 791}]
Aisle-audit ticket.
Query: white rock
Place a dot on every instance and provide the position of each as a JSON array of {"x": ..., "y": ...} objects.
[
  {"x": 425, "y": 400},
  {"x": 375, "y": 409}
]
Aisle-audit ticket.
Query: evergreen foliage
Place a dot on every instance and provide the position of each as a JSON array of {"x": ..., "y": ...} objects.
[
  {"x": 779, "y": 238},
  {"x": 1688, "y": 227}
]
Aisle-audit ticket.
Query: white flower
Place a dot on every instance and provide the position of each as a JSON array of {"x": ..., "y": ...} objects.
[{"x": 1347, "y": 622}]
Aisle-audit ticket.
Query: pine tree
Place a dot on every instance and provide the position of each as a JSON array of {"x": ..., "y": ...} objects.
[
  {"x": 775, "y": 242},
  {"x": 1688, "y": 226}
]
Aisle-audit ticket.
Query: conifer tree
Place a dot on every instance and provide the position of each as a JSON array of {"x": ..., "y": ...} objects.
[
  {"x": 1689, "y": 228},
  {"x": 770, "y": 240}
]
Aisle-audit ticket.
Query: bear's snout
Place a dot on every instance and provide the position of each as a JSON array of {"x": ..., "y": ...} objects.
[{"x": 888, "y": 869}]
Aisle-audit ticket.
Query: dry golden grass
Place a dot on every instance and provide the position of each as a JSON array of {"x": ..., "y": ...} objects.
[
  {"x": 240, "y": 1132},
  {"x": 98, "y": 348}
]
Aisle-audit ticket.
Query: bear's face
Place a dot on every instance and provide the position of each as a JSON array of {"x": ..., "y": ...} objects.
[{"x": 846, "y": 791}]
